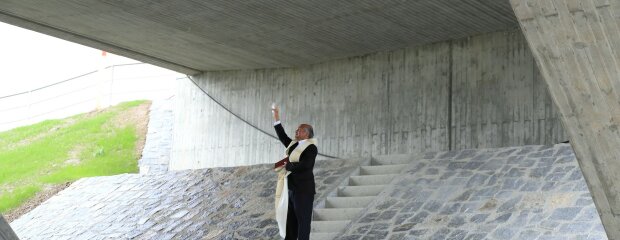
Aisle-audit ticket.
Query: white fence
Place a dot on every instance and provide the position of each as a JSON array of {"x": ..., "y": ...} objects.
[{"x": 89, "y": 91}]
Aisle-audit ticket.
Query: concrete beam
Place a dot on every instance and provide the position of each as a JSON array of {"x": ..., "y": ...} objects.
[
  {"x": 577, "y": 47},
  {"x": 6, "y": 233},
  {"x": 232, "y": 35}
]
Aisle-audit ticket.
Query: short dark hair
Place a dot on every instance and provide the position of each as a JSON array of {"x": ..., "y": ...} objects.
[{"x": 308, "y": 129}]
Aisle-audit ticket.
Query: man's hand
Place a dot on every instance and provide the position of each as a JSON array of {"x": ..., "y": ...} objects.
[{"x": 276, "y": 113}]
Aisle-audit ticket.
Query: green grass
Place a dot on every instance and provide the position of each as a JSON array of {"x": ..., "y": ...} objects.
[
  {"x": 17, "y": 197},
  {"x": 36, "y": 155}
]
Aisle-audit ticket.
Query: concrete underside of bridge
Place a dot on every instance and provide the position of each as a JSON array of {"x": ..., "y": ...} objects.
[
  {"x": 194, "y": 36},
  {"x": 374, "y": 77}
]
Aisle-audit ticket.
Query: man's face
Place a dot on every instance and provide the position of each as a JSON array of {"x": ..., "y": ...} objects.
[{"x": 301, "y": 133}]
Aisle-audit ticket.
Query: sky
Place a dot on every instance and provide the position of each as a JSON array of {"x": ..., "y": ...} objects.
[{"x": 29, "y": 59}]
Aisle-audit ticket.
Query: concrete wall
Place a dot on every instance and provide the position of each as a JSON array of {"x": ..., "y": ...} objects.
[
  {"x": 486, "y": 87},
  {"x": 6, "y": 233},
  {"x": 577, "y": 45},
  {"x": 498, "y": 96}
]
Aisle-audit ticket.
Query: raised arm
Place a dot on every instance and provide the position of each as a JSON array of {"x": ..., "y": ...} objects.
[{"x": 284, "y": 139}]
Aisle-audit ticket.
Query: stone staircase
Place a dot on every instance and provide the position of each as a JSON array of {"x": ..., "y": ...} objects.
[{"x": 349, "y": 200}]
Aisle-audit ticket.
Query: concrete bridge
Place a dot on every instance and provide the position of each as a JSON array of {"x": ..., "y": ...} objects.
[{"x": 374, "y": 77}]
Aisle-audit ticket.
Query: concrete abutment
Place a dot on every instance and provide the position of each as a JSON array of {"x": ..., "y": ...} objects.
[
  {"x": 477, "y": 92},
  {"x": 576, "y": 45}
]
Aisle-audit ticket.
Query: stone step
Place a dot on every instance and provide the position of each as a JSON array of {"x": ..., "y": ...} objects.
[
  {"x": 328, "y": 226},
  {"x": 383, "y": 169},
  {"x": 360, "y": 191},
  {"x": 331, "y": 214},
  {"x": 323, "y": 235},
  {"x": 348, "y": 202},
  {"x": 364, "y": 180},
  {"x": 392, "y": 159}
]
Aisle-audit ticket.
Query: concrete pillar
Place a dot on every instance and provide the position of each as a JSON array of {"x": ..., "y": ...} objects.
[
  {"x": 6, "y": 233},
  {"x": 576, "y": 44}
]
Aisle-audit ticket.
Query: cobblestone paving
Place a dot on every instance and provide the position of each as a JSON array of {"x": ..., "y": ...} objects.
[
  {"x": 156, "y": 152},
  {"x": 531, "y": 192},
  {"x": 218, "y": 203}
]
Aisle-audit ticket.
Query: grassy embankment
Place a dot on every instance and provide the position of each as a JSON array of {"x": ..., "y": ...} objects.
[{"x": 37, "y": 157}]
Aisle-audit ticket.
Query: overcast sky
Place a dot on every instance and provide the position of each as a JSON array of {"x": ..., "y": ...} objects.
[{"x": 29, "y": 59}]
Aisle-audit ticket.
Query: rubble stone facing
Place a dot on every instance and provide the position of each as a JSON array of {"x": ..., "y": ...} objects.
[
  {"x": 531, "y": 192},
  {"x": 218, "y": 203},
  {"x": 156, "y": 153}
]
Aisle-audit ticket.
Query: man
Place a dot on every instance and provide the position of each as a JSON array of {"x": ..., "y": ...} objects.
[{"x": 302, "y": 153}]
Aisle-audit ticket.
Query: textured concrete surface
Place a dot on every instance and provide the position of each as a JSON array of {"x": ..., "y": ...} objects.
[
  {"x": 192, "y": 36},
  {"x": 156, "y": 152},
  {"x": 577, "y": 46},
  {"x": 479, "y": 92},
  {"x": 219, "y": 203},
  {"x": 6, "y": 233},
  {"x": 531, "y": 192}
]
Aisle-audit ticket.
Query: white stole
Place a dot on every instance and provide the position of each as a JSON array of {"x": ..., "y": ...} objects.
[{"x": 281, "y": 202}]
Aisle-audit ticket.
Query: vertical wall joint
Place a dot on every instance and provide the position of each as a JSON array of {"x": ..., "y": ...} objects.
[{"x": 450, "y": 92}]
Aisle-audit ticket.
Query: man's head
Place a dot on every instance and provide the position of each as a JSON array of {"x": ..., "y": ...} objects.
[{"x": 304, "y": 131}]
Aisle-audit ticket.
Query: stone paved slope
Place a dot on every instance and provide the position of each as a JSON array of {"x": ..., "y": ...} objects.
[
  {"x": 156, "y": 153},
  {"x": 531, "y": 192},
  {"x": 218, "y": 203}
]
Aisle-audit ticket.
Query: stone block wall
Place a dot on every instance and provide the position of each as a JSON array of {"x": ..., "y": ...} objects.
[
  {"x": 217, "y": 203},
  {"x": 531, "y": 192},
  {"x": 156, "y": 152}
]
